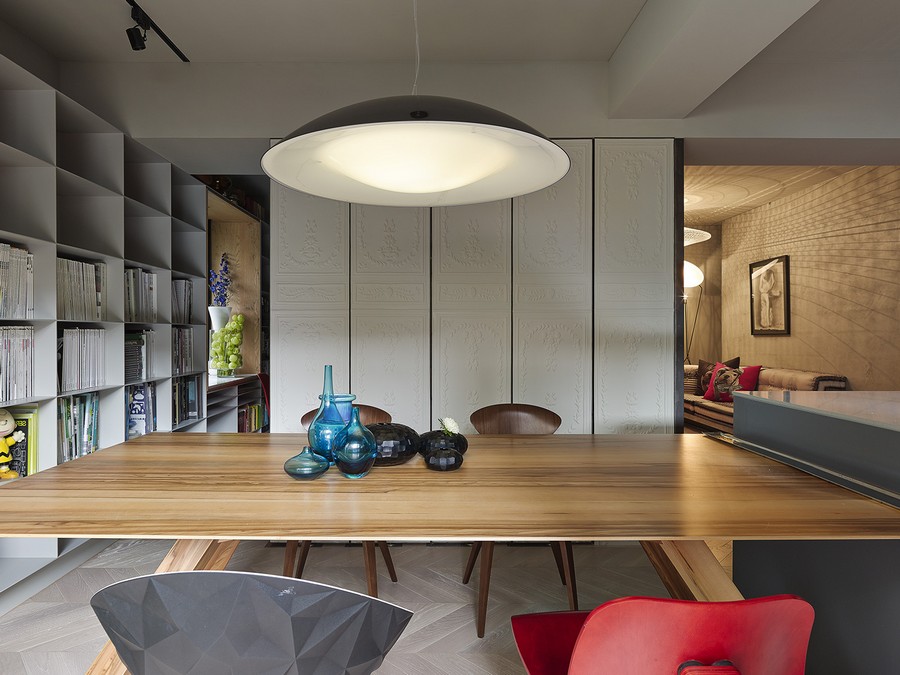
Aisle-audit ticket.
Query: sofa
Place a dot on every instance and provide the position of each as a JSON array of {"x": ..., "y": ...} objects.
[{"x": 700, "y": 412}]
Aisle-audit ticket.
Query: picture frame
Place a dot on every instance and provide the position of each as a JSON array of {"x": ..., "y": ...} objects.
[{"x": 770, "y": 297}]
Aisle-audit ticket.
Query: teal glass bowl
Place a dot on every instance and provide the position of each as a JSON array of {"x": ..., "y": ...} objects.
[{"x": 306, "y": 466}]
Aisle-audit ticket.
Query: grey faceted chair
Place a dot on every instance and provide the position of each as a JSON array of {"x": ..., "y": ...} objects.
[{"x": 205, "y": 623}]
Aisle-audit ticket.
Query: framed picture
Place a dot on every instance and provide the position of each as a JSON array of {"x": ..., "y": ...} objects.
[{"x": 770, "y": 297}]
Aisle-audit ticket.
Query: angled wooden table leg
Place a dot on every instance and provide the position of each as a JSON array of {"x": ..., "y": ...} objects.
[
  {"x": 185, "y": 554},
  {"x": 690, "y": 571}
]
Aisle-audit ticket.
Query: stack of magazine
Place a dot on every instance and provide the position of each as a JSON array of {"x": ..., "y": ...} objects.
[
  {"x": 80, "y": 290},
  {"x": 140, "y": 295},
  {"x": 78, "y": 419},
  {"x": 16, "y": 362},
  {"x": 16, "y": 283},
  {"x": 83, "y": 358}
]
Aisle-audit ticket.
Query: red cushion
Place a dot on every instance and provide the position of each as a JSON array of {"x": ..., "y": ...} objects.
[{"x": 747, "y": 381}]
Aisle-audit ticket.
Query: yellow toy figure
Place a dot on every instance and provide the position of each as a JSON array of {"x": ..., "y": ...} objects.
[{"x": 10, "y": 438}]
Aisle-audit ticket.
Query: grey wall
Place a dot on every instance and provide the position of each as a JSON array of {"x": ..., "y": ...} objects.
[{"x": 843, "y": 239}]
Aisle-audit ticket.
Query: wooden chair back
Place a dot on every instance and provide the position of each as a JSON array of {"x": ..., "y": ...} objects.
[
  {"x": 515, "y": 418},
  {"x": 368, "y": 414}
]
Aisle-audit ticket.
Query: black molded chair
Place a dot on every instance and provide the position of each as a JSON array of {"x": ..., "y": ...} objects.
[
  {"x": 516, "y": 418},
  {"x": 294, "y": 564},
  {"x": 241, "y": 622}
]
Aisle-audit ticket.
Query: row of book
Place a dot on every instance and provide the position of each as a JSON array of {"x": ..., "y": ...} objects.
[
  {"x": 182, "y": 300},
  {"x": 138, "y": 355},
  {"x": 24, "y": 452},
  {"x": 251, "y": 417},
  {"x": 16, "y": 362},
  {"x": 140, "y": 409},
  {"x": 186, "y": 393},
  {"x": 140, "y": 295},
  {"x": 16, "y": 282},
  {"x": 81, "y": 290},
  {"x": 78, "y": 418},
  {"x": 82, "y": 362},
  {"x": 182, "y": 350}
]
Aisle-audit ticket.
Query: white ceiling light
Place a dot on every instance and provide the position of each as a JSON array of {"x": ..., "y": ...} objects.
[
  {"x": 416, "y": 151},
  {"x": 692, "y": 236},
  {"x": 693, "y": 275}
]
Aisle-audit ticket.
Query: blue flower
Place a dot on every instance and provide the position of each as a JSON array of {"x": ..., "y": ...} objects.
[{"x": 219, "y": 283}]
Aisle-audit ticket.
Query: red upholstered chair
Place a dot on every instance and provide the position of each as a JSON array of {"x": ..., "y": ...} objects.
[
  {"x": 294, "y": 564},
  {"x": 658, "y": 636},
  {"x": 524, "y": 419}
]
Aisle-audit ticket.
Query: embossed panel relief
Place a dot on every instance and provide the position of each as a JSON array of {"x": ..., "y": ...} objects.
[
  {"x": 634, "y": 213},
  {"x": 391, "y": 257},
  {"x": 310, "y": 250},
  {"x": 552, "y": 235},
  {"x": 553, "y": 366},
  {"x": 302, "y": 344},
  {"x": 390, "y": 364},
  {"x": 634, "y": 286},
  {"x": 471, "y": 254},
  {"x": 471, "y": 363},
  {"x": 634, "y": 386}
]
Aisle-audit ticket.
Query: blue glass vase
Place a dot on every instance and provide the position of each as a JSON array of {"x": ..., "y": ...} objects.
[
  {"x": 354, "y": 448},
  {"x": 332, "y": 416}
]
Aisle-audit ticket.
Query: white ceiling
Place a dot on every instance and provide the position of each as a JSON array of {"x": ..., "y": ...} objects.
[
  {"x": 715, "y": 193},
  {"x": 266, "y": 31},
  {"x": 662, "y": 58}
]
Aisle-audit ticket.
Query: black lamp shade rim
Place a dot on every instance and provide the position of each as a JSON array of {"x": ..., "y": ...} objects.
[{"x": 411, "y": 109}]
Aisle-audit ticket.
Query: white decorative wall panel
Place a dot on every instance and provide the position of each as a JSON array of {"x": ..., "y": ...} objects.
[
  {"x": 472, "y": 256},
  {"x": 552, "y": 366},
  {"x": 471, "y": 363},
  {"x": 302, "y": 344},
  {"x": 310, "y": 293},
  {"x": 390, "y": 326},
  {"x": 390, "y": 363},
  {"x": 434, "y": 313},
  {"x": 552, "y": 236},
  {"x": 633, "y": 391},
  {"x": 634, "y": 287},
  {"x": 471, "y": 332},
  {"x": 310, "y": 235}
]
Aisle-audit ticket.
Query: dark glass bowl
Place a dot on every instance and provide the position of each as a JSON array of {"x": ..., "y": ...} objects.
[
  {"x": 435, "y": 440},
  {"x": 443, "y": 459},
  {"x": 396, "y": 443}
]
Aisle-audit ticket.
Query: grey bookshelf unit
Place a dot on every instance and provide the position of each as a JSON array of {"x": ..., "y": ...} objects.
[{"x": 73, "y": 186}]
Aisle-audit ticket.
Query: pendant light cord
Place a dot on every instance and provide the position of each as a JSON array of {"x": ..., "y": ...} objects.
[{"x": 415, "y": 86}]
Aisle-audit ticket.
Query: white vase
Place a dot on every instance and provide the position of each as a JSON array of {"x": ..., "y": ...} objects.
[{"x": 218, "y": 316}]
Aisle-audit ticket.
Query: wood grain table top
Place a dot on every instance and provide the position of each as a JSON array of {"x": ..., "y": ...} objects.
[{"x": 573, "y": 487}]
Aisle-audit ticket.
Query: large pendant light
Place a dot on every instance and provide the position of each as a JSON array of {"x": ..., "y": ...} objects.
[{"x": 416, "y": 151}]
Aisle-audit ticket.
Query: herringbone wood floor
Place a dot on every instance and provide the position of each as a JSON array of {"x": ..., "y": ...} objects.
[{"x": 56, "y": 633}]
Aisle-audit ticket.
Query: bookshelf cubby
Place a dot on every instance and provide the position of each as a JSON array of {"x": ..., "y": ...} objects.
[{"x": 72, "y": 186}]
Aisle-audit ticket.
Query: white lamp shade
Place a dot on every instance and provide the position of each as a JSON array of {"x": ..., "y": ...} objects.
[
  {"x": 695, "y": 236},
  {"x": 693, "y": 275},
  {"x": 416, "y": 151}
]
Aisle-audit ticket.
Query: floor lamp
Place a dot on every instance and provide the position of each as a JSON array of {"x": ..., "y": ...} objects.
[{"x": 693, "y": 277}]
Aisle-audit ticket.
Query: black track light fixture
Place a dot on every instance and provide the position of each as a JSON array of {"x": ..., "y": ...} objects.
[{"x": 137, "y": 34}]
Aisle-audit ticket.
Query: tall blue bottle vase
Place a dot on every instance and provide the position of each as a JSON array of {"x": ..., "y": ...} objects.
[
  {"x": 333, "y": 415},
  {"x": 354, "y": 448}
]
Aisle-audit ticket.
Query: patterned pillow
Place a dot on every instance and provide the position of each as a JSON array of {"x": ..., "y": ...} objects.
[
  {"x": 723, "y": 382},
  {"x": 705, "y": 369}
]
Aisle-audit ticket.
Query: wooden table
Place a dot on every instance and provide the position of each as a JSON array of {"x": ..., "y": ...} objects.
[{"x": 670, "y": 492}]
